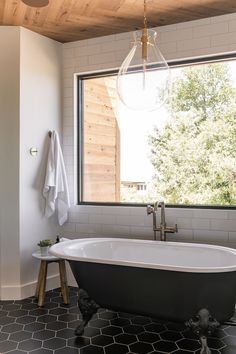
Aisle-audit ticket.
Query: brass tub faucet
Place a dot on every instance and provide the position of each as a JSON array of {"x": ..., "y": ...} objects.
[{"x": 162, "y": 228}]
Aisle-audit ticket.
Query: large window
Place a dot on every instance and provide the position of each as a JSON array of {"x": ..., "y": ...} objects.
[{"x": 183, "y": 153}]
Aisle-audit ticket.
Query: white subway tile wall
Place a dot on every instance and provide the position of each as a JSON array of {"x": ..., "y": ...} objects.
[{"x": 210, "y": 36}]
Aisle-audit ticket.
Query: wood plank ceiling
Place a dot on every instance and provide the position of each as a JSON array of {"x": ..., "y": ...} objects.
[{"x": 71, "y": 20}]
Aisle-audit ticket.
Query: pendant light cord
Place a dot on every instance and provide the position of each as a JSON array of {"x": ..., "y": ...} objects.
[{"x": 144, "y": 14}]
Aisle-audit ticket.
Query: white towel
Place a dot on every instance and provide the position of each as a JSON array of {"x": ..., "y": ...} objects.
[{"x": 55, "y": 188}]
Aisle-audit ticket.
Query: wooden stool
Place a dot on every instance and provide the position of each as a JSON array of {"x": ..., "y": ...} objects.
[{"x": 42, "y": 277}]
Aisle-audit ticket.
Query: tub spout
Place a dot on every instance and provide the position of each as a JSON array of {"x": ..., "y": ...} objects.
[{"x": 153, "y": 210}]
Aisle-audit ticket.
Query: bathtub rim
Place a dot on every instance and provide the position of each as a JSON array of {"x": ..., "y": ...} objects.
[{"x": 55, "y": 250}]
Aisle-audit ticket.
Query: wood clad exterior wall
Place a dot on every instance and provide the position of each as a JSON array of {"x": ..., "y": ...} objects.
[{"x": 101, "y": 142}]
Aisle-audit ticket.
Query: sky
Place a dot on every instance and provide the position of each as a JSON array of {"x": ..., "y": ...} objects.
[{"x": 135, "y": 126}]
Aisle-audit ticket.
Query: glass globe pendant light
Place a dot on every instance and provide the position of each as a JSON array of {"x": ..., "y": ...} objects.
[{"x": 144, "y": 77}]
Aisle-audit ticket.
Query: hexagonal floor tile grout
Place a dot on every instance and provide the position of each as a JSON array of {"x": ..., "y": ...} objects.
[{"x": 25, "y": 329}]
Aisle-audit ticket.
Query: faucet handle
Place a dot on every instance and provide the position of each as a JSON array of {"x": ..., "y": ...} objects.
[{"x": 150, "y": 209}]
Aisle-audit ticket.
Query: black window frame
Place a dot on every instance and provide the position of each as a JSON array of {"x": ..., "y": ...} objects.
[{"x": 80, "y": 131}]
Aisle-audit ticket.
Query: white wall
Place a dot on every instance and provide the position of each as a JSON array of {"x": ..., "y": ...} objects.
[
  {"x": 30, "y": 106},
  {"x": 9, "y": 155},
  {"x": 210, "y": 36},
  {"x": 40, "y": 111}
]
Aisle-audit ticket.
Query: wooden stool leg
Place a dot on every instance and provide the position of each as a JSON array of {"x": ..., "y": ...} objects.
[
  {"x": 38, "y": 284},
  {"x": 42, "y": 283},
  {"x": 64, "y": 287}
]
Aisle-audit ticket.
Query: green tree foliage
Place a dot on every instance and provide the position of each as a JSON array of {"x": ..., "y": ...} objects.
[{"x": 195, "y": 154}]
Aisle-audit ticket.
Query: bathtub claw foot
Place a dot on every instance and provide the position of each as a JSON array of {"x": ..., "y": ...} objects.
[
  {"x": 205, "y": 349},
  {"x": 80, "y": 329},
  {"x": 88, "y": 308},
  {"x": 203, "y": 325}
]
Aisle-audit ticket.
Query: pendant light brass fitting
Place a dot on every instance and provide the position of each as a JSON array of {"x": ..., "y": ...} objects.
[
  {"x": 144, "y": 38},
  {"x": 36, "y": 3}
]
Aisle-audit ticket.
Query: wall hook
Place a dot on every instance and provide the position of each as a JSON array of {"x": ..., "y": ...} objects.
[{"x": 33, "y": 151}]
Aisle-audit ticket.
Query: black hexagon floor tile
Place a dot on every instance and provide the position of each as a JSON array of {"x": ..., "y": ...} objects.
[
  {"x": 141, "y": 348},
  {"x": 73, "y": 310},
  {"x": 92, "y": 349},
  {"x": 17, "y": 313},
  {"x": 24, "y": 301},
  {"x": 230, "y": 330},
  {"x": 7, "y": 345},
  {"x": 78, "y": 342},
  {"x": 29, "y": 306},
  {"x": 91, "y": 332},
  {"x": 215, "y": 343},
  {"x": 102, "y": 340},
  {"x": 26, "y": 319},
  {"x": 3, "y": 313},
  {"x": 42, "y": 351},
  {"x": 73, "y": 324},
  {"x": 155, "y": 327},
  {"x": 30, "y": 344},
  {"x": 20, "y": 336},
  {"x": 3, "y": 336},
  {"x": 165, "y": 346},
  {"x": 181, "y": 351},
  {"x": 230, "y": 344},
  {"x": 188, "y": 344},
  {"x": 5, "y": 302},
  {"x": 17, "y": 352},
  {"x": 121, "y": 322},
  {"x": 112, "y": 330},
  {"x": 6, "y": 320},
  {"x": 228, "y": 350},
  {"x": 38, "y": 312},
  {"x": 133, "y": 329},
  {"x": 54, "y": 343},
  {"x": 47, "y": 318},
  {"x": 11, "y": 307},
  {"x": 67, "y": 317},
  {"x": 34, "y": 327},
  {"x": 99, "y": 323},
  {"x": 148, "y": 337},
  {"x": 56, "y": 325},
  {"x": 116, "y": 349},
  {"x": 66, "y": 350},
  {"x": 58, "y": 311},
  {"x": 44, "y": 334},
  {"x": 126, "y": 338},
  {"x": 14, "y": 327},
  {"x": 66, "y": 333},
  {"x": 51, "y": 305},
  {"x": 27, "y": 329},
  {"x": 171, "y": 336}
]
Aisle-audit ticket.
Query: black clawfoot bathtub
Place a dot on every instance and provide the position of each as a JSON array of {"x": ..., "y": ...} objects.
[{"x": 167, "y": 280}]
